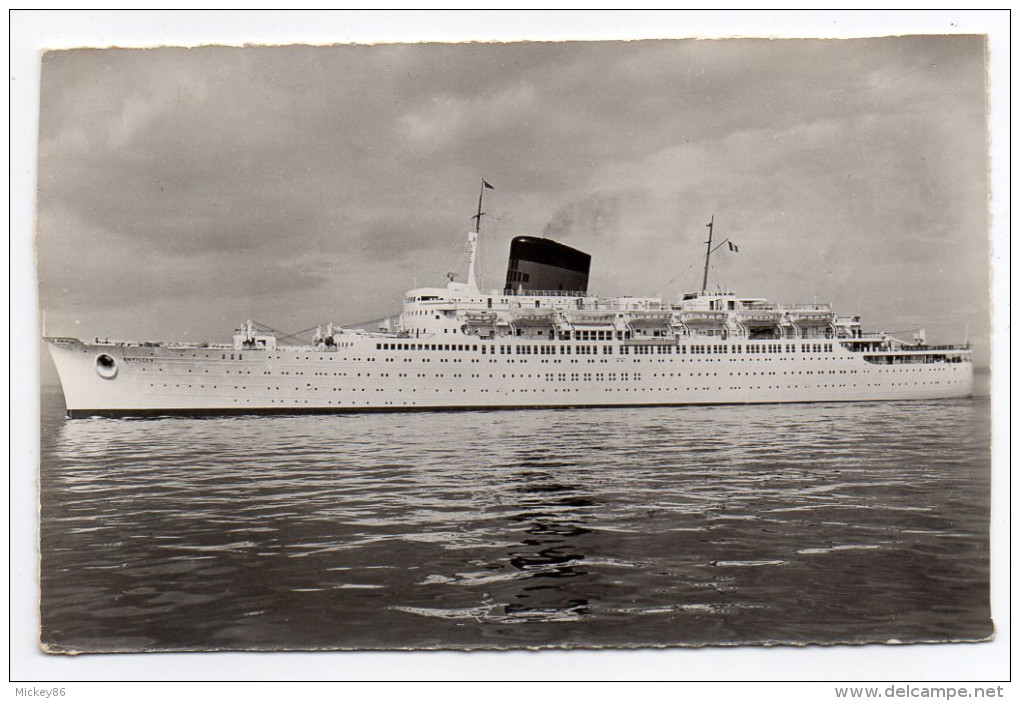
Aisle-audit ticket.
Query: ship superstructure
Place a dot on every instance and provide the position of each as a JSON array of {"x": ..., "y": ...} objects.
[{"x": 542, "y": 341}]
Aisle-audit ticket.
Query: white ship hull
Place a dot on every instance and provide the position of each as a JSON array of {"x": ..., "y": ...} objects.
[{"x": 375, "y": 372}]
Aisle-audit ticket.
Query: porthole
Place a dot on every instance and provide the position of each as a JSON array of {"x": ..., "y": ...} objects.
[{"x": 106, "y": 366}]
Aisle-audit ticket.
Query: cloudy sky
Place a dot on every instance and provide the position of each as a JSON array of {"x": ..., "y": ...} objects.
[{"x": 182, "y": 191}]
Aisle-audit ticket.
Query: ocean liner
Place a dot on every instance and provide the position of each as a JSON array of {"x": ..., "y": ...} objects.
[{"x": 541, "y": 341}]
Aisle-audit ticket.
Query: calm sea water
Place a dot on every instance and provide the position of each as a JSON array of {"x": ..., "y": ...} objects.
[{"x": 602, "y": 527}]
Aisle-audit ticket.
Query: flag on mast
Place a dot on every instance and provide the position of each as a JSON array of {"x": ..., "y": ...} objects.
[
  {"x": 485, "y": 184},
  {"x": 733, "y": 247}
]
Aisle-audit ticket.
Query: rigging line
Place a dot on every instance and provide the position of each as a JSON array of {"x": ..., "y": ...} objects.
[
  {"x": 298, "y": 333},
  {"x": 724, "y": 242},
  {"x": 296, "y": 336},
  {"x": 281, "y": 336},
  {"x": 267, "y": 327},
  {"x": 716, "y": 248},
  {"x": 718, "y": 279},
  {"x": 658, "y": 291},
  {"x": 288, "y": 338},
  {"x": 365, "y": 323}
]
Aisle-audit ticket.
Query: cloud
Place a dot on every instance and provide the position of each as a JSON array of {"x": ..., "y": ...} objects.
[{"x": 307, "y": 181}]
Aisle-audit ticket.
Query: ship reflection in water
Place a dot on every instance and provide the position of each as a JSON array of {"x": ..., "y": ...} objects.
[
  {"x": 622, "y": 527},
  {"x": 552, "y": 512}
]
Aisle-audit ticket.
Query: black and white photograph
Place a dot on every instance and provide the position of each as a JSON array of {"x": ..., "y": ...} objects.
[{"x": 672, "y": 342}]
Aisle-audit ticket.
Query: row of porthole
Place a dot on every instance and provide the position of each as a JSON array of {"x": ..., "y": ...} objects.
[
  {"x": 106, "y": 367},
  {"x": 609, "y": 389}
]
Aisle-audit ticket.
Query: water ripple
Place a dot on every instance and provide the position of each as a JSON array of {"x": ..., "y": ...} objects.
[{"x": 794, "y": 523}]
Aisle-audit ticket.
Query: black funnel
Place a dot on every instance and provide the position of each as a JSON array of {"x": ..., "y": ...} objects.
[{"x": 543, "y": 264}]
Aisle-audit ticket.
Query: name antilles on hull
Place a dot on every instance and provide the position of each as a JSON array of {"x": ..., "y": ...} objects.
[{"x": 542, "y": 341}]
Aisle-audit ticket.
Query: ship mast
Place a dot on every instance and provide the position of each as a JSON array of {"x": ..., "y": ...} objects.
[
  {"x": 708, "y": 254},
  {"x": 473, "y": 237},
  {"x": 478, "y": 217}
]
